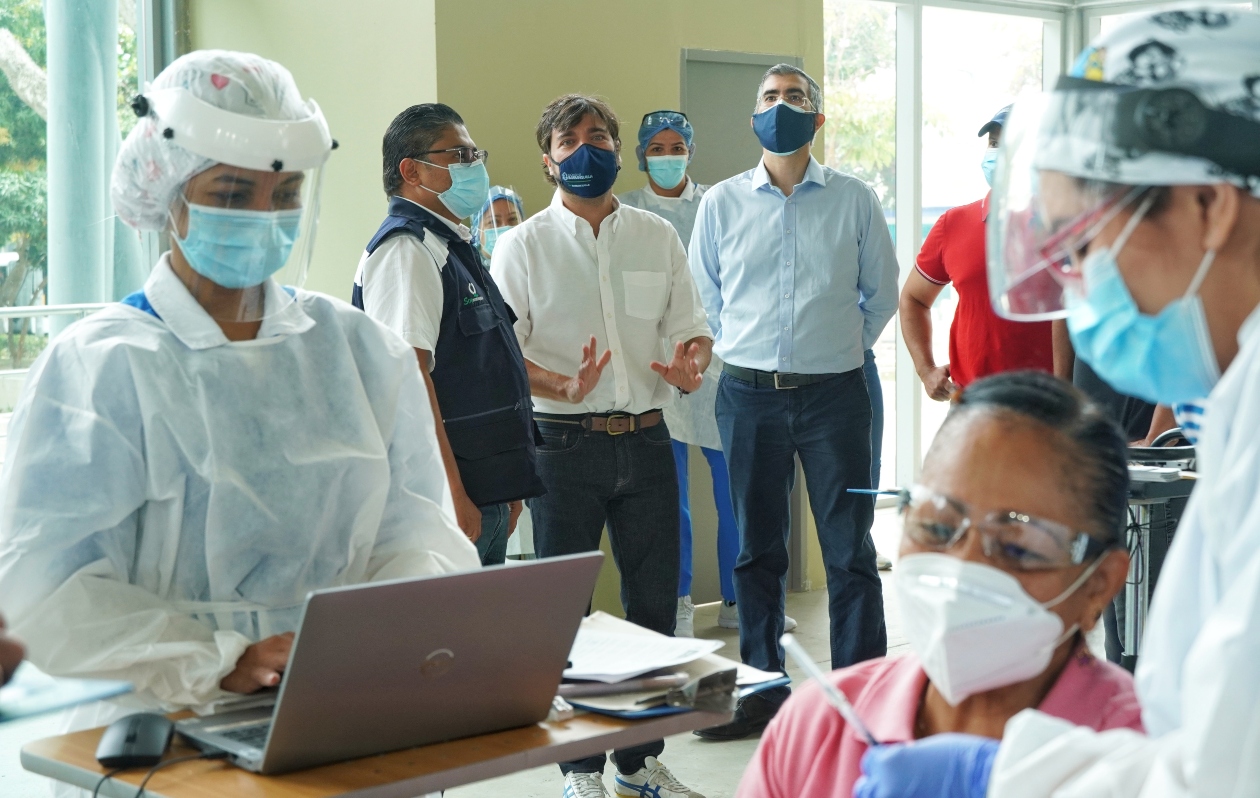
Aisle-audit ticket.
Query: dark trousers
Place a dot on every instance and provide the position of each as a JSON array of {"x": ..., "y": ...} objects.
[
  {"x": 828, "y": 425},
  {"x": 492, "y": 545},
  {"x": 629, "y": 483},
  {"x": 875, "y": 389}
]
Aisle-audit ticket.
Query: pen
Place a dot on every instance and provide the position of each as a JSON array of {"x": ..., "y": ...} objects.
[
  {"x": 834, "y": 696},
  {"x": 588, "y": 689},
  {"x": 880, "y": 492}
]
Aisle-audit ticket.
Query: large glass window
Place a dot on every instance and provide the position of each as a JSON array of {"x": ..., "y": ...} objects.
[
  {"x": 974, "y": 63},
  {"x": 66, "y": 128},
  {"x": 861, "y": 104}
]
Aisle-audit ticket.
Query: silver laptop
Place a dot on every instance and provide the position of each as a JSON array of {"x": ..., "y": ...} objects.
[{"x": 389, "y": 665}]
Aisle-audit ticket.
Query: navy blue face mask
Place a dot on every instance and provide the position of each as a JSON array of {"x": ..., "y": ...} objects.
[
  {"x": 783, "y": 128},
  {"x": 589, "y": 172}
]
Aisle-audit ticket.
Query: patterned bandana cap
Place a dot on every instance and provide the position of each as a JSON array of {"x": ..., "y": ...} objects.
[
  {"x": 151, "y": 169},
  {"x": 1211, "y": 51}
]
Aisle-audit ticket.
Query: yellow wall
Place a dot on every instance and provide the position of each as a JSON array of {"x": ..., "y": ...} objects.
[
  {"x": 501, "y": 61},
  {"x": 498, "y": 62},
  {"x": 363, "y": 63}
]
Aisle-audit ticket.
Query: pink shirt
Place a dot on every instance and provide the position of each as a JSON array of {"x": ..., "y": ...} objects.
[{"x": 808, "y": 751}]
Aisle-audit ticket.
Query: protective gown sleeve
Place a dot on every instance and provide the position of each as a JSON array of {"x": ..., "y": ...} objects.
[
  {"x": 418, "y": 533},
  {"x": 71, "y": 498},
  {"x": 1213, "y": 747}
]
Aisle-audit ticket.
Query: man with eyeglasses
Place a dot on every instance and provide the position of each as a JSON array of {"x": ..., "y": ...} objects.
[
  {"x": 584, "y": 275},
  {"x": 797, "y": 271},
  {"x": 422, "y": 277}
]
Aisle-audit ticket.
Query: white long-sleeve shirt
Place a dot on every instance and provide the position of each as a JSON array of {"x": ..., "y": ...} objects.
[{"x": 630, "y": 288}]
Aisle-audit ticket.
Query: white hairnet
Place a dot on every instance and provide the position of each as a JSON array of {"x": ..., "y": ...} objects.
[{"x": 151, "y": 169}]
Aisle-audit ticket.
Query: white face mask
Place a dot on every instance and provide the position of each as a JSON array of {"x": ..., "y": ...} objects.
[{"x": 974, "y": 627}]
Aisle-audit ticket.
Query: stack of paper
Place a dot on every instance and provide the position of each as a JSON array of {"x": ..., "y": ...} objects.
[
  {"x": 647, "y": 704},
  {"x": 604, "y": 653}
]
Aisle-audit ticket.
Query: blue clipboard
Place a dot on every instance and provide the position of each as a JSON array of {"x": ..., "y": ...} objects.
[
  {"x": 33, "y": 692},
  {"x": 656, "y": 712}
]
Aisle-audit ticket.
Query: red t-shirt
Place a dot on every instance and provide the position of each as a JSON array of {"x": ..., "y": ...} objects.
[{"x": 980, "y": 342}]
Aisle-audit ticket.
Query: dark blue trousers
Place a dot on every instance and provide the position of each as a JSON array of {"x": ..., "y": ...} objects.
[{"x": 828, "y": 425}]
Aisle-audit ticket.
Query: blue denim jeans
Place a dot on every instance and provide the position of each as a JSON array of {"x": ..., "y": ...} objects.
[
  {"x": 875, "y": 389},
  {"x": 492, "y": 545},
  {"x": 629, "y": 483},
  {"x": 727, "y": 531},
  {"x": 828, "y": 425}
]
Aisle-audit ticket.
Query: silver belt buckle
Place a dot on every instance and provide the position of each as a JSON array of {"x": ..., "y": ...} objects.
[{"x": 779, "y": 387}]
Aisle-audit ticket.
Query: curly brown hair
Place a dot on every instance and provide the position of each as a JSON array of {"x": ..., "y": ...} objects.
[{"x": 564, "y": 113}]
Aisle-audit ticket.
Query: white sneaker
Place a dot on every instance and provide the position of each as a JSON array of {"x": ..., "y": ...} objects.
[
  {"x": 584, "y": 785},
  {"x": 882, "y": 562},
  {"x": 728, "y": 617},
  {"x": 653, "y": 780},
  {"x": 686, "y": 623}
]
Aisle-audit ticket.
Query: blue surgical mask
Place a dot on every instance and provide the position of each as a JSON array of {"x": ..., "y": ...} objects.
[
  {"x": 470, "y": 186},
  {"x": 667, "y": 171},
  {"x": 589, "y": 172},
  {"x": 988, "y": 164},
  {"x": 238, "y": 248},
  {"x": 1167, "y": 358},
  {"x": 490, "y": 236},
  {"x": 783, "y": 128}
]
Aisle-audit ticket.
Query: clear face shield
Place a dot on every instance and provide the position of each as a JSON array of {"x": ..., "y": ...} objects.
[
  {"x": 501, "y": 212},
  {"x": 1073, "y": 160},
  {"x": 1042, "y": 218},
  {"x": 248, "y": 221}
]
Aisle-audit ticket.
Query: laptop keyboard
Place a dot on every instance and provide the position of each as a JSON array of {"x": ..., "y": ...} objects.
[{"x": 254, "y": 735}]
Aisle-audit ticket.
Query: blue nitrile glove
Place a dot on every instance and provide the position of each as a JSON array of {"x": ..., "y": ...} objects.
[{"x": 940, "y": 766}]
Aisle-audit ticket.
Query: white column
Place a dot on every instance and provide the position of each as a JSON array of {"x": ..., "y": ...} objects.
[{"x": 909, "y": 224}]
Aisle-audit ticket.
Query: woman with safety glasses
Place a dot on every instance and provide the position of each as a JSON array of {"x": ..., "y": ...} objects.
[
  {"x": 1128, "y": 202},
  {"x": 1011, "y": 550},
  {"x": 184, "y": 466}
]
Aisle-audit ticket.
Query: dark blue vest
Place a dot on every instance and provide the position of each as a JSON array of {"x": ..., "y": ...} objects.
[{"x": 479, "y": 372}]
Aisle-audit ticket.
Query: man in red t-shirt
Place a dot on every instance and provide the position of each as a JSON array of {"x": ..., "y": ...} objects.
[{"x": 980, "y": 342}]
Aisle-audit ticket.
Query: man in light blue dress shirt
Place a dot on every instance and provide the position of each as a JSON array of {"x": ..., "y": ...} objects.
[{"x": 797, "y": 272}]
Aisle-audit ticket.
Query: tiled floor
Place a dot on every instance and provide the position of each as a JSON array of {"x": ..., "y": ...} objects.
[{"x": 711, "y": 768}]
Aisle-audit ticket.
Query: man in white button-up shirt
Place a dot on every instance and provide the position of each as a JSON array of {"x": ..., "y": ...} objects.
[{"x": 588, "y": 270}]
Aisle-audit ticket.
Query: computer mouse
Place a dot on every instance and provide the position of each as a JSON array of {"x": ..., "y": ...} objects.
[{"x": 137, "y": 740}]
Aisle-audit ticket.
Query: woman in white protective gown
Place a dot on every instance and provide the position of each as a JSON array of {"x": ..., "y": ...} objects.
[
  {"x": 1128, "y": 202},
  {"x": 184, "y": 466}
]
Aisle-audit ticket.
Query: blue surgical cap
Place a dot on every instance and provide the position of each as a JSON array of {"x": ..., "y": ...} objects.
[{"x": 657, "y": 121}]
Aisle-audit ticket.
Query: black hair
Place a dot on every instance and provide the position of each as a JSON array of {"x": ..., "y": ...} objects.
[
  {"x": 1100, "y": 460},
  {"x": 413, "y": 132},
  {"x": 815, "y": 91}
]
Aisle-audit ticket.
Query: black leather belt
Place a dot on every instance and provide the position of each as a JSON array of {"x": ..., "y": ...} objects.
[
  {"x": 611, "y": 423},
  {"x": 774, "y": 379}
]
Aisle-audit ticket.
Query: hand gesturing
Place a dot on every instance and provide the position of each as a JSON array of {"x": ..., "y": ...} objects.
[
  {"x": 582, "y": 383},
  {"x": 683, "y": 371}
]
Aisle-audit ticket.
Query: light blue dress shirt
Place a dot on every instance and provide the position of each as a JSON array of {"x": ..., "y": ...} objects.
[{"x": 801, "y": 284}]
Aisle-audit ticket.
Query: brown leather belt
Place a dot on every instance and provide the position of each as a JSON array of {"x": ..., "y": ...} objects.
[{"x": 610, "y": 423}]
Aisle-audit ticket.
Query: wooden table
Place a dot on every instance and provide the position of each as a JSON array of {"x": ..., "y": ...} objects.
[{"x": 71, "y": 758}]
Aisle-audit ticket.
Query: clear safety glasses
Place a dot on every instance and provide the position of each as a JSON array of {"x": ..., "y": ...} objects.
[
  {"x": 1011, "y": 539},
  {"x": 665, "y": 118}
]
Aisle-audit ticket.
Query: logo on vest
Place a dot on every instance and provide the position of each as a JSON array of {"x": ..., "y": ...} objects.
[{"x": 474, "y": 296}]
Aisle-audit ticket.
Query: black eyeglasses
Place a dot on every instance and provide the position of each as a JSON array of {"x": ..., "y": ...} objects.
[{"x": 466, "y": 154}]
